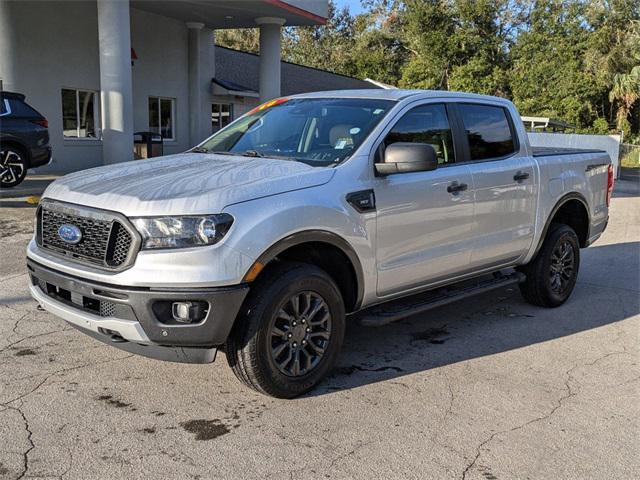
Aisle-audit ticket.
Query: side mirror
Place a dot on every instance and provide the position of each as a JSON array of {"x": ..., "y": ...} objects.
[{"x": 404, "y": 157}]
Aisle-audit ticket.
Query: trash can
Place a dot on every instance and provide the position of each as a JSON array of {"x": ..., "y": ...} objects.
[{"x": 147, "y": 145}]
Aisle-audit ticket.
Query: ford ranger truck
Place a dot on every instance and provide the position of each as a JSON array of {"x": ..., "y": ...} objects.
[{"x": 309, "y": 212}]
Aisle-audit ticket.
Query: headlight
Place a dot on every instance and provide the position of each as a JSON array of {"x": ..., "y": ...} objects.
[{"x": 182, "y": 232}]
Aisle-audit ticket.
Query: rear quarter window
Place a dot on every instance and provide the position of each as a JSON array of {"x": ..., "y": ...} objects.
[
  {"x": 488, "y": 131},
  {"x": 20, "y": 109},
  {"x": 5, "y": 108}
]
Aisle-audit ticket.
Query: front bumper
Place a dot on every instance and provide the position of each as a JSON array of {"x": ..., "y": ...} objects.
[{"x": 135, "y": 319}]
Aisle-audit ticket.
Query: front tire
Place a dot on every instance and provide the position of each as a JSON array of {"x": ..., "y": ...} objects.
[
  {"x": 13, "y": 166},
  {"x": 289, "y": 332},
  {"x": 552, "y": 274}
]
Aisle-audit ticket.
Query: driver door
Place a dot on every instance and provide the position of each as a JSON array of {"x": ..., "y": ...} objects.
[{"x": 425, "y": 219}]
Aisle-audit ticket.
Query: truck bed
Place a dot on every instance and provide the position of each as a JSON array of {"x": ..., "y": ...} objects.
[{"x": 549, "y": 151}]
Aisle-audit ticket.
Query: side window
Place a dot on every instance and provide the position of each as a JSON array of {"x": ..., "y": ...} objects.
[
  {"x": 488, "y": 131},
  {"x": 21, "y": 109},
  {"x": 425, "y": 124}
]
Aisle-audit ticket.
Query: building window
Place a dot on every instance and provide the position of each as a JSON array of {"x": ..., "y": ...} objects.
[
  {"x": 161, "y": 116},
  {"x": 221, "y": 115},
  {"x": 79, "y": 113}
]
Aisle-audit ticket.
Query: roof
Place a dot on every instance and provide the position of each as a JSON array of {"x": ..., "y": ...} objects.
[
  {"x": 5, "y": 94},
  {"x": 307, "y": 67},
  {"x": 398, "y": 94},
  {"x": 242, "y": 69},
  {"x": 226, "y": 87}
]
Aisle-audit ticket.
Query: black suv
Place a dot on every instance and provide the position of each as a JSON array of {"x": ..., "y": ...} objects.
[{"x": 24, "y": 139}]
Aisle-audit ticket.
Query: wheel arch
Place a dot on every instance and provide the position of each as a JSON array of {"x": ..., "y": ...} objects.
[
  {"x": 572, "y": 209},
  {"x": 326, "y": 250}
]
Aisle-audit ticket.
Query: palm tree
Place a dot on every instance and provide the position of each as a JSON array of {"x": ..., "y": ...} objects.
[{"x": 625, "y": 91}]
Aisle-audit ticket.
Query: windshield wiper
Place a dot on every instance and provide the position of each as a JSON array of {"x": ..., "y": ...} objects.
[
  {"x": 199, "y": 150},
  {"x": 252, "y": 153}
]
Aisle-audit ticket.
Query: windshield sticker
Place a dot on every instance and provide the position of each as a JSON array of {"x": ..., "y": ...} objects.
[
  {"x": 354, "y": 131},
  {"x": 269, "y": 104},
  {"x": 378, "y": 111}
]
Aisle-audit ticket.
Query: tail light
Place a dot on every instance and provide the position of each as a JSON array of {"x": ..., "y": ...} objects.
[
  {"x": 43, "y": 122},
  {"x": 609, "y": 184}
]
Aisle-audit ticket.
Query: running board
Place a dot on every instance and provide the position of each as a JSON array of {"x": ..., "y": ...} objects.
[{"x": 394, "y": 310}]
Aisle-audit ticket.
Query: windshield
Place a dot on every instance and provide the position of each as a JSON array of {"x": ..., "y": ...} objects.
[{"x": 316, "y": 131}]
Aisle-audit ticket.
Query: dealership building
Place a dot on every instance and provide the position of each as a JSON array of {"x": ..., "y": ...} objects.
[{"x": 101, "y": 70}]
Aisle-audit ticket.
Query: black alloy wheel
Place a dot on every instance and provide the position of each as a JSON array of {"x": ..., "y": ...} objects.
[{"x": 300, "y": 333}]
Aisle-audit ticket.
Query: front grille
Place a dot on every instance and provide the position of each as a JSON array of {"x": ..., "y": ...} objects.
[
  {"x": 121, "y": 245},
  {"x": 106, "y": 242}
]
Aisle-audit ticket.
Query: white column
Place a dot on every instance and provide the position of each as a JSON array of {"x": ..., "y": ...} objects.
[
  {"x": 114, "y": 43},
  {"x": 269, "y": 57},
  {"x": 8, "y": 47},
  {"x": 195, "y": 93}
]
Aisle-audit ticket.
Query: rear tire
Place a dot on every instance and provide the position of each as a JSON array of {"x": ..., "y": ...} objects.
[
  {"x": 13, "y": 166},
  {"x": 289, "y": 332},
  {"x": 552, "y": 274}
]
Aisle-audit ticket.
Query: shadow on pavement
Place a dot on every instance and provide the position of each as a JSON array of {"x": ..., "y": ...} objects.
[{"x": 490, "y": 324}]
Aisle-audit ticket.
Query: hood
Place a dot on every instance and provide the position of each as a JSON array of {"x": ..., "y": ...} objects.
[{"x": 188, "y": 183}]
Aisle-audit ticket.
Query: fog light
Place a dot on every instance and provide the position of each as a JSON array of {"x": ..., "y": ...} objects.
[{"x": 188, "y": 312}]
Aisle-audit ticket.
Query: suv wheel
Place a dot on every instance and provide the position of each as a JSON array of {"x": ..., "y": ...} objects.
[
  {"x": 13, "y": 167},
  {"x": 552, "y": 274},
  {"x": 289, "y": 332}
]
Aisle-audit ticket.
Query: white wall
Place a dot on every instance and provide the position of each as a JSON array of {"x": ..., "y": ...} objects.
[
  {"x": 46, "y": 46},
  {"x": 161, "y": 70},
  {"x": 609, "y": 143}
]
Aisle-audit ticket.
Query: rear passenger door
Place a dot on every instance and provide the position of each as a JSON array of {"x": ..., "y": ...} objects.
[
  {"x": 424, "y": 222},
  {"x": 504, "y": 182}
]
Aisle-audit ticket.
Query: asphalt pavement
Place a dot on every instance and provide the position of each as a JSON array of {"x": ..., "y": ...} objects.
[{"x": 487, "y": 388}]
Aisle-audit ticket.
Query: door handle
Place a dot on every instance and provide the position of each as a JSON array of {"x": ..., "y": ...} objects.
[
  {"x": 456, "y": 187},
  {"x": 520, "y": 176}
]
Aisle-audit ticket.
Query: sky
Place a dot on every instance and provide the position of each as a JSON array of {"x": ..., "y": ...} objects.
[{"x": 354, "y": 5}]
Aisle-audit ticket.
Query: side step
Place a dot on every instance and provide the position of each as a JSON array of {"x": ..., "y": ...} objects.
[{"x": 394, "y": 310}]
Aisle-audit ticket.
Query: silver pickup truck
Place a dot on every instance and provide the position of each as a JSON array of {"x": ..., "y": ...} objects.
[{"x": 309, "y": 212}]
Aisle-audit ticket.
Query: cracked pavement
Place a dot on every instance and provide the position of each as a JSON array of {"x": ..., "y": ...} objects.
[{"x": 487, "y": 388}]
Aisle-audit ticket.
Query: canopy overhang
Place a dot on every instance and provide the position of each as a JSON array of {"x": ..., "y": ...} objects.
[{"x": 222, "y": 14}]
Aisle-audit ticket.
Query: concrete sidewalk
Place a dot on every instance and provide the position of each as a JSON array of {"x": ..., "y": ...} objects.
[{"x": 32, "y": 186}]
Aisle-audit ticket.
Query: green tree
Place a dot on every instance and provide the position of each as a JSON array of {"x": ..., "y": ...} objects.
[
  {"x": 429, "y": 27},
  {"x": 325, "y": 46},
  {"x": 245, "y": 39},
  {"x": 459, "y": 44},
  {"x": 613, "y": 49},
  {"x": 548, "y": 75},
  {"x": 625, "y": 92},
  {"x": 570, "y": 59}
]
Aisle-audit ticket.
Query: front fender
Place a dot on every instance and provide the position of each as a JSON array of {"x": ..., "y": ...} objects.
[{"x": 268, "y": 225}]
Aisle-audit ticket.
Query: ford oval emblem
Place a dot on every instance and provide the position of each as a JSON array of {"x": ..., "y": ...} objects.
[{"x": 70, "y": 233}]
